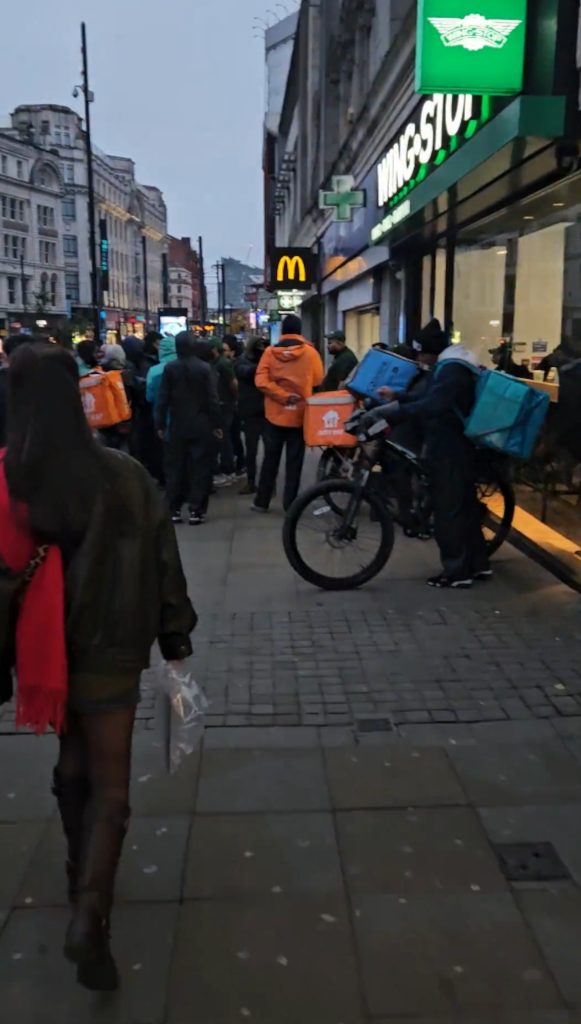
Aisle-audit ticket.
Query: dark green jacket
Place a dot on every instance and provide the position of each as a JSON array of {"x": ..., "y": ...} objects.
[
  {"x": 125, "y": 587},
  {"x": 342, "y": 365}
]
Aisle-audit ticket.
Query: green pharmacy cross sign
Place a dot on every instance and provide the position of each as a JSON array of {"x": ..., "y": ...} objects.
[
  {"x": 471, "y": 46},
  {"x": 344, "y": 199}
]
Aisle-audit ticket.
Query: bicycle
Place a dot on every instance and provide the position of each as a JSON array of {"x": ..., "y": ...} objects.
[{"x": 352, "y": 514}]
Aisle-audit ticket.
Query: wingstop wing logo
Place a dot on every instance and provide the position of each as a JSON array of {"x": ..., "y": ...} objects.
[
  {"x": 475, "y": 32},
  {"x": 293, "y": 269},
  {"x": 474, "y": 47}
]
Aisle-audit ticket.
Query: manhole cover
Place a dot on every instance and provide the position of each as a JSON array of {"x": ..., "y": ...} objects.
[
  {"x": 374, "y": 725},
  {"x": 530, "y": 862}
]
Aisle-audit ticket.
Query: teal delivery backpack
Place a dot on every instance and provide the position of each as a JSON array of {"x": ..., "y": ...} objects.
[{"x": 507, "y": 415}]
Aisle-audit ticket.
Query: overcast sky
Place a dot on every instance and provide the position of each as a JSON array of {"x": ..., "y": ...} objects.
[{"x": 179, "y": 87}]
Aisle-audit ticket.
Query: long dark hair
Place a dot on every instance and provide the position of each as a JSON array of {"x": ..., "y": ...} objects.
[{"x": 53, "y": 464}]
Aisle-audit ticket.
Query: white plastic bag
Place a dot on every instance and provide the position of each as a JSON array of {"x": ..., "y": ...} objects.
[{"x": 181, "y": 705}]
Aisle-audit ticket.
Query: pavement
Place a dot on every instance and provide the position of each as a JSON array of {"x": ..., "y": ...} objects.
[{"x": 383, "y": 823}]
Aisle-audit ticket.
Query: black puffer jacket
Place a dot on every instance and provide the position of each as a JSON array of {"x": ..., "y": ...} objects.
[
  {"x": 250, "y": 399},
  {"x": 125, "y": 586}
]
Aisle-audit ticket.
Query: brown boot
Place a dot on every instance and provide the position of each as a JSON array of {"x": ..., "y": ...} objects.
[{"x": 87, "y": 942}]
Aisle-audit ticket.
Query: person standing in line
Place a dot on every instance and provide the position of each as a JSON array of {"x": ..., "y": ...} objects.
[
  {"x": 250, "y": 407},
  {"x": 189, "y": 417},
  {"x": 86, "y": 356},
  {"x": 227, "y": 394},
  {"x": 119, "y": 436},
  {"x": 234, "y": 350},
  {"x": 98, "y": 600},
  {"x": 344, "y": 362},
  {"x": 288, "y": 374}
]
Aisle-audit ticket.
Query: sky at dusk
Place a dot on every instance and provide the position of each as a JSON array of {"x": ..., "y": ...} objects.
[{"x": 179, "y": 87}]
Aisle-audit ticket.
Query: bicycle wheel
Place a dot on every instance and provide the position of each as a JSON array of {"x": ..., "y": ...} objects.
[
  {"x": 337, "y": 537},
  {"x": 498, "y": 506}
]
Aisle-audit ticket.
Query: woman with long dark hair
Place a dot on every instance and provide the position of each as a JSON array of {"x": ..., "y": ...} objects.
[{"x": 88, "y": 530}]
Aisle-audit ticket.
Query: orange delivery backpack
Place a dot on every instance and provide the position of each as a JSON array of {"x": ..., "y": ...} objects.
[
  {"x": 104, "y": 399},
  {"x": 325, "y": 416}
]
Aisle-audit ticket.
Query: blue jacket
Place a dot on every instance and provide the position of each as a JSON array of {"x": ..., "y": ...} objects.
[{"x": 167, "y": 354}]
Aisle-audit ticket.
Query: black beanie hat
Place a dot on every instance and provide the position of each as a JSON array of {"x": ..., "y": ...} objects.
[
  {"x": 432, "y": 340},
  {"x": 292, "y": 324}
]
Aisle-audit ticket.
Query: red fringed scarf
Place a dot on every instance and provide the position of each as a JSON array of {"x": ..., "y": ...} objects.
[{"x": 41, "y": 659}]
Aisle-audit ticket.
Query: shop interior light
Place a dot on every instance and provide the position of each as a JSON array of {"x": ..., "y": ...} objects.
[
  {"x": 494, "y": 323},
  {"x": 501, "y": 252},
  {"x": 558, "y": 204},
  {"x": 528, "y": 216}
]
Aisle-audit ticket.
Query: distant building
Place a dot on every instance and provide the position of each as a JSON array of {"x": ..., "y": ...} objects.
[
  {"x": 181, "y": 254},
  {"x": 133, "y": 218},
  {"x": 240, "y": 280},
  {"x": 180, "y": 289},
  {"x": 32, "y": 267}
]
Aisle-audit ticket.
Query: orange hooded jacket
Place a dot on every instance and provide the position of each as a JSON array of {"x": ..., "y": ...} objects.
[{"x": 293, "y": 367}]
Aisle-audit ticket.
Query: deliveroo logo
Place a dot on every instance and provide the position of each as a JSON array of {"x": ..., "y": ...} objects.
[{"x": 474, "y": 32}]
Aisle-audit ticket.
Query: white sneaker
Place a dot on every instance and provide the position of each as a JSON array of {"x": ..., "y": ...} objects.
[{"x": 222, "y": 480}]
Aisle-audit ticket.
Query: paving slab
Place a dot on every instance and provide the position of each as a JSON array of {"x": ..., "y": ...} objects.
[
  {"x": 286, "y": 961},
  {"x": 253, "y": 857},
  {"x": 153, "y": 791},
  {"x": 559, "y": 824},
  {"x": 26, "y": 765},
  {"x": 380, "y": 777},
  {"x": 38, "y": 985},
  {"x": 521, "y": 774},
  {"x": 417, "y": 852},
  {"x": 554, "y": 916},
  {"x": 151, "y": 867},
  {"x": 244, "y": 781},
  {"x": 253, "y": 737},
  {"x": 449, "y": 954},
  {"x": 17, "y": 846}
]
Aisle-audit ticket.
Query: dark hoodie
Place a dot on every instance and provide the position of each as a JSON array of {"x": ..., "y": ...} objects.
[
  {"x": 250, "y": 399},
  {"x": 188, "y": 394}
]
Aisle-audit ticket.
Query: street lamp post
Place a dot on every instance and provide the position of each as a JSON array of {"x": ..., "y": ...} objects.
[{"x": 90, "y": 186}]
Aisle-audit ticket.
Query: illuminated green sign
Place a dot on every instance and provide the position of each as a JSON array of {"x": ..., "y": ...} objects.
[
  {"x": 471, "y": 46},
  {"x": 440, "y": 126}
]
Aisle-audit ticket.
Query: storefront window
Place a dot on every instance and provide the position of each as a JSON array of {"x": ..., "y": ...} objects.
[
  {"x": 362, "y": 328},
  {"x": 517, "y": 281}
]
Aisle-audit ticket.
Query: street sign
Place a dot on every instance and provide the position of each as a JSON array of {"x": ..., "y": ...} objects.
[
  {"x": 289, "y": 302},
  {"x": 471, "y": 46},
  {"x": 293, "y": 269},
  {"x": 344, "y": 198},
  {"x": 104, "y": 255}
]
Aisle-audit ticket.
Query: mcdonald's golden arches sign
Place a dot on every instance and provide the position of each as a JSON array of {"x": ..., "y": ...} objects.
[{"x": 293, "y": 270}]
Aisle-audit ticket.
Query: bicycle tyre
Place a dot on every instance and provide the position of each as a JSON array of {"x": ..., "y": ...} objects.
[
  {"x": 295, "y": 558},
  {"x": 503, "y": 524}
]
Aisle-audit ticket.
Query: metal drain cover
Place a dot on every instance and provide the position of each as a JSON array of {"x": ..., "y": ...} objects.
[
  {"x": 531, "y": 862},
  {"x": 374, "y": 725}
]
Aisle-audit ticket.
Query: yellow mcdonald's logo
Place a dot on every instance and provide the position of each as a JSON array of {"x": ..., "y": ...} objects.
[{"x": 291, "y": 268}]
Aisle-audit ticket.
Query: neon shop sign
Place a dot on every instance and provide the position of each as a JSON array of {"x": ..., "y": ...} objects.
[{"x": 439, "y": 120}]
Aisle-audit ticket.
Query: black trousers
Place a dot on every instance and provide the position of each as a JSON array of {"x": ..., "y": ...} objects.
[
  {"x": 457, "y": 513},
  {"x": 226, "y": 462},
  {"x": 189, "y": 469},
  {"x": 237, "y": 443},
  {"x": 253, "y": 431},
  {"x": 276, "y": 439}
]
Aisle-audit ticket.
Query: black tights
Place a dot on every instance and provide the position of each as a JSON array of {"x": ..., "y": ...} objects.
[{"x": 92, "y": 787}]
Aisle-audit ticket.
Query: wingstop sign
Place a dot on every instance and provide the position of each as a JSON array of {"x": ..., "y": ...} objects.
[
  {"x": 472, "y": 47},
  {"x": 293, "y": 269}
]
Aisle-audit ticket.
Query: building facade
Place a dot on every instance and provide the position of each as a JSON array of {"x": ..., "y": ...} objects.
[
  {"x": 131, "y": 223},
  {"x": 182, "y": 255},
  {"x": 462, "y": 205},
  {"x": 32, "y": 266},
  {"x": 180, "y": 289}
]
